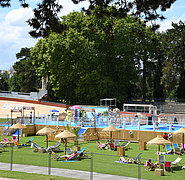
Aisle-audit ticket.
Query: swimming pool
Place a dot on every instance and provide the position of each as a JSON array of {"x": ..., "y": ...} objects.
[{"x": 104, "y": 124}]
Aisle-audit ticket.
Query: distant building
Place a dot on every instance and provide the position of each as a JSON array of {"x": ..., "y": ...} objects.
[{"x": 10, "y": 72}]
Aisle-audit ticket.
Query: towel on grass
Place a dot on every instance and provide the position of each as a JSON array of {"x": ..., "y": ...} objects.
[
  {"x": 122, "y": 162},
  {"x": 69, "y": 161}
]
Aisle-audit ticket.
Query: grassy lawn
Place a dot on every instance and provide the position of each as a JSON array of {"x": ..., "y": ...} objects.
[
  {"x": 21, "y": 175},
  {"x": 101, "y": 163},
  {"x": 3, "y": 119}
]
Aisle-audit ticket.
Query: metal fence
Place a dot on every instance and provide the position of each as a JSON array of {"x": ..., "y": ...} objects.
[{"x": 92, "y": 166}]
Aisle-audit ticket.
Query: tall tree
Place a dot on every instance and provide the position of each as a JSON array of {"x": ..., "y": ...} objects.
[
  {"x": 25, "y": 74},
  {"x": 45, "y": 15},
  {"x": 45, "y": 19},
  {"x": 174, "y": 72},
  {"x": 4, "y": 77},
  {"x": 92, "y": 58}
]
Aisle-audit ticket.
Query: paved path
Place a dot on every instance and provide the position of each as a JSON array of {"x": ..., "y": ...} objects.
[{"x": 61, "y": 172}]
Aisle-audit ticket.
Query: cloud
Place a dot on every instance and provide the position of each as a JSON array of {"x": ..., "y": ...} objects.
[
  {"x": 14, "y": 36},
  {"x": 167, "y": 24},
  {"x": 14, "y": 30},
  {"x": 69, "y": 6},
  {"x": 18, "y": 17}
]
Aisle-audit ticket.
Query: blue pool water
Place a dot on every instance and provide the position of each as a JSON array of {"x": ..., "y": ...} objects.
[{"x": 161, "y": 127}]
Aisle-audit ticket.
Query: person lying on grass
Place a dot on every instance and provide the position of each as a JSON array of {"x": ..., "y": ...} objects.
[
  {"x": 67, "y": 155},
  {"x": 129, "y": 161}
]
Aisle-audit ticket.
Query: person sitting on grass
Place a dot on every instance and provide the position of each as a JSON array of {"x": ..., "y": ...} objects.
[
  {"x": 151, "y": 165},
  {"x": 106, "y": 144}
]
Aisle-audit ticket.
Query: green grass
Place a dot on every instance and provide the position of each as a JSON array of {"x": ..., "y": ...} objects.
[
  {"x": 3, "y": 119},
  {"x": 30, "y": 176},
  {"x": 101, "y": 163}
]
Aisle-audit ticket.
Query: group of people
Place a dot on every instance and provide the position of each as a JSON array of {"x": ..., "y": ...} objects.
[{"x": 108, "y": 145}]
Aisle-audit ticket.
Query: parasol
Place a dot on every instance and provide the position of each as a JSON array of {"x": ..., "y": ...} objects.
[
  {"x": 182, "y": 131},
  {"x": 159, "y": 140},
  {"x": 44, "y": 132},
  {"x": 65, "y": 134},
  {"x": 18, "y": 126},
  {"x": 110, "y": 129}
]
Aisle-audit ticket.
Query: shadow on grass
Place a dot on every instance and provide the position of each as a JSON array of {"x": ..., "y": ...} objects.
[{"x": 177, "y": 168}]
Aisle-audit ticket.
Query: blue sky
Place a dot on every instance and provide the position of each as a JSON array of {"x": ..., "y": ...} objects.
[{"x": 14, "y": 30}]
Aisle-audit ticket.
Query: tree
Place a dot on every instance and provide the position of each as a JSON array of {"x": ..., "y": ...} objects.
[
  {"x": 45, "y": 19},
  {"x": 4, "y": 77},
  {"x": 173, "y": 69},
  {"x": 13, "y": 83},
  {"x": 25, "y": 75},
  {"x": 92, "y": 58},
  {"x": 7, "y": 3},
  {"x": 45, "y": 16}
]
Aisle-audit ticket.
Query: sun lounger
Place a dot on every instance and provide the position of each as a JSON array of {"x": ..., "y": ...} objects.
[
  {"x": 125, "y": 144},
  {"x": 69, "y": 151},
  {"x": 5, "y": 140},
  {"x": 37, "y": 148},
  {"x": 182, "y": 146},
  {"x": 167, "y": 166},
  {"x": 101, "y": 146},
  {"x": 150, "y": 166},
  {"x": 112, "y": 147},
  {"x": 55, "y": 156},
  {"x": 137, "y": 158},
  {"x": 3, "y": 147},
  {"x": 82, "y": 153},
  {"x": 177, "y": 161},
  {"x": 73, "y": 157},
  {"x": 54, "y": 148},
  {"x": 17, "y": 144},
  {"x": 30, "y": 141},
  {"x": 64, "y": 158},
  {"x": 116, "y": 143},
  {"x": 176, "y": 149},
  {"x": 14, "y": 138},
  {"x": 168, "y": 148}
]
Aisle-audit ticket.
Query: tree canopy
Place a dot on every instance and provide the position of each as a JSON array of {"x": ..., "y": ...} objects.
[
  {"x": 93, "y": 58},
  {"x": 46, "y": 18},
  {"x": 24, "y": 79}
]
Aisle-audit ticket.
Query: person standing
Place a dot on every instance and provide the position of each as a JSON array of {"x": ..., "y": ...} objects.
[{"x": 165, "y": 136}]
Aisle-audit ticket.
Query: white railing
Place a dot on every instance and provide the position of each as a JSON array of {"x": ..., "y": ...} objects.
[{"x": 20, "y": 95}]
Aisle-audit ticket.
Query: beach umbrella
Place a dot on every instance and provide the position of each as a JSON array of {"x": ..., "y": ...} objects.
[
  {"x": 110, "y": 129},
  {"x": 159, "y": 140},
  {"x": 54, "y": 110},
  {"x": 65, "y": 134},
  {"x": 18, "y": 126},
  {"x": 76, "y": 107},
  {"x": 182, "y": 131},
  {"x": 44, "y": 132}
]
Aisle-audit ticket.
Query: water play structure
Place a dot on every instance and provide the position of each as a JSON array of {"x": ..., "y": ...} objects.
[{"x": 133, "y": 117}]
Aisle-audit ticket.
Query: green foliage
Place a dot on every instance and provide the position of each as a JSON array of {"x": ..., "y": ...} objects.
[
  {"x": 25, "y": 78},
  {"x": 4, "y": 78},
  {"x": 173, "y": 66},
  {"x": 75, "y": 131},
  {"x": 94, "y": 57}
]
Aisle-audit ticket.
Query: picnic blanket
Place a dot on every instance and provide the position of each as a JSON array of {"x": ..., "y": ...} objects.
[{"x": 118, "y": 161}]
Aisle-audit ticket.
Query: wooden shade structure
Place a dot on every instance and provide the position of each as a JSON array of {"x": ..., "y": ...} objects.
[
  {"x": 181, "y": 131},
  {"x": 159, "y": 140},
  {"x": 18, "y": 126},
  {"x": 44, "y": 132},
  {"x": 65, "y": 134},
  {"x": 110, "y": 129}
]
